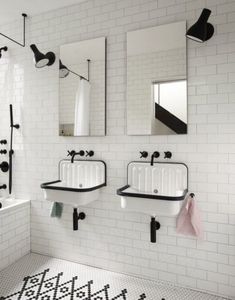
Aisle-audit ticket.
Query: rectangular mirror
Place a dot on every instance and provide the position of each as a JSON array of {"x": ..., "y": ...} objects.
[
  {"x": 82, "y": 89},
  {"x": 157, "y": 80}
]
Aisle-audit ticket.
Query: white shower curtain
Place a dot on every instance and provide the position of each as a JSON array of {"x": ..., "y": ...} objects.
[{"x": 82, "y": 109}]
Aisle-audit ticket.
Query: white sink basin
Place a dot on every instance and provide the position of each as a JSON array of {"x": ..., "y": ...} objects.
[
  {"x": 79, "y": 182},
  {"x": 155, "y": 190}
]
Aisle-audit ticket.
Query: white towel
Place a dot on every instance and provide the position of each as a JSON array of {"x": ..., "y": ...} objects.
[{"x": 82, "y": 109}]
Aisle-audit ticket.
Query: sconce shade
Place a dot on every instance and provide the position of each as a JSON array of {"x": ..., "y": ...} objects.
[
  {"x": 42, "y": 60},
  {"x": 201, "y": 31},
  {"x": 63, "y": 70}
]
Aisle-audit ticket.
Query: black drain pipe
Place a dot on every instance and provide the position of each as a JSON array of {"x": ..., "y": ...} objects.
[
  {"x": 154, "y": 226},
  {"x": 76, "y": 217}
]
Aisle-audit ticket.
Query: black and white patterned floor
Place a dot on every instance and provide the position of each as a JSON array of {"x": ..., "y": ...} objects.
[{"x": 37, "y": 277}]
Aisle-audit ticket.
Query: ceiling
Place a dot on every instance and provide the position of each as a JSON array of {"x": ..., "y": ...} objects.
[{"x": 12, "y": 9}]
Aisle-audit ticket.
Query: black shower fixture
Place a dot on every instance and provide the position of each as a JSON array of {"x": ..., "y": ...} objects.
[
  {"x": 64, "y": 71},
  {"x": 201, "y": 31},
  {"x": 21, "y": 44},
  {"x": 42, "y": 60},
  {"x": 11, "y": 151},
  {"x": 2, "y": 49}
]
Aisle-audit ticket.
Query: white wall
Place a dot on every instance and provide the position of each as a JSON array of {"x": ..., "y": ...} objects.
[
  {"x": 14, "y": 234},
  {"x": 111, "y": 238}
]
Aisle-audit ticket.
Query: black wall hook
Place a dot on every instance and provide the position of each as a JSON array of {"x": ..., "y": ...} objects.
[
  {"x": 21, "y": 44},
  {"x": 192, "y": 195}
]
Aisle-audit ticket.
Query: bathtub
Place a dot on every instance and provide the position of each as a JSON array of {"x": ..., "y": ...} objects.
[
  {"x": 7, "y": 204},
  {"x": 14, "y": 230}
]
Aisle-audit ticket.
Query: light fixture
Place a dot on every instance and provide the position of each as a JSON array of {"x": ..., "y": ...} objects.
[
  {"x": 2, "y": 49},
  {"x": 21, "y": 44},
  {"x": 64, "y": 71},
  {"x": 201, "y": 31},
  {"x": 42, "y": 60}
]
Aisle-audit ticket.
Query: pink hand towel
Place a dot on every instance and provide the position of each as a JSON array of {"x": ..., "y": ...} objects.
[{"x": 189, "y": 220}]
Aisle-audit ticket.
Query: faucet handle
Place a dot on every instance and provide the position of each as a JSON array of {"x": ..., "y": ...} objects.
[
  {"x": 90, "y": 153},
  {"x": 143, "y": 154},
  {"x": 71, "y": 153},
  {"x": 168, "y": 154}
]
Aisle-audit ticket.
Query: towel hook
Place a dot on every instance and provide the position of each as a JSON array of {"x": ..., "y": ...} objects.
[{"x": 192, "y": 195}]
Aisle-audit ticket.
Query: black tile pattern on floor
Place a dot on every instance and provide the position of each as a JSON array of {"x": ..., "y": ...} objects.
[{"x": 38, "y": 287}]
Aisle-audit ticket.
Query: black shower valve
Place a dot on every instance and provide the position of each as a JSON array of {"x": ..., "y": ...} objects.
[
  {"x": 4, "y": 151},
  {"x": 143, "y": 154},
  {"x": 3, "y": 142},
  {"x": 168, "y": 154},
  {"x": 4, "y": 166},
  {"x": 3, "y": 187},
  {"x": 90, "y": 153}
]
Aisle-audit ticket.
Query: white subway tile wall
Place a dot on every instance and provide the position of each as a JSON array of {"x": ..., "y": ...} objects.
[
  {"x": 14, "y": 234},
  {"x": 108, "y": 237}
]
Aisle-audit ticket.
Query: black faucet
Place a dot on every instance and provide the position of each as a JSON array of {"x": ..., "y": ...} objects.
[
  {"x": 81, "y": 153},
  {"x": 155, "y": 154}
]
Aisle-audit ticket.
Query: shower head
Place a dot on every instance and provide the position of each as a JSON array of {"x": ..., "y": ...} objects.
[
  {"x": 2, "y": 49},
  {"x": 41, "y": 60}
]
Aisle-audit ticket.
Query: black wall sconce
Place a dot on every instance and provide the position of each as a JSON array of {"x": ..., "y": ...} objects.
[
  {"x": 201, "y": 31},
  {"x": 2, "y": 49},
  {"x": 64, "y": 71},
  {"x": 42, "y": 60},
  {"x": 21, "y": 44}
]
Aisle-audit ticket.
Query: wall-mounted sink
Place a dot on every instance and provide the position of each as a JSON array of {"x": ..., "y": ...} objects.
[
  {"x": 155, "y": 190},
  {"x": 79, "y": 182}
]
